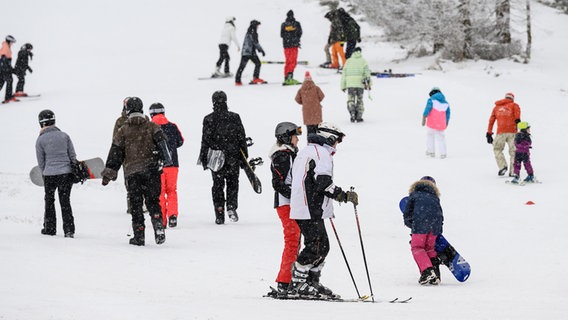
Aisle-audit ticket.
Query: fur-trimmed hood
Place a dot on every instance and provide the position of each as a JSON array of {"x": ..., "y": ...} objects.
[{"x": 425, "y": 186}]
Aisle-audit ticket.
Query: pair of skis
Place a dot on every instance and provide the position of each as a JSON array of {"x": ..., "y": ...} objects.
[{"x": 274, "y": 294}]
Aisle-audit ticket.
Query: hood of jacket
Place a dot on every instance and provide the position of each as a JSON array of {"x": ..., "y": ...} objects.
[{"x": 424, "y": 186}]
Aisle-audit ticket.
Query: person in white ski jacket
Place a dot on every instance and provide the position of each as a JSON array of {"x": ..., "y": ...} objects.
[
  {"x": 310, "y": 203},
  {"x": 228, "y": 35}
]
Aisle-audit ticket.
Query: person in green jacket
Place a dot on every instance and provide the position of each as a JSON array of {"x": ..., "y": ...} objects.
[{"x": 355, "y": 78}]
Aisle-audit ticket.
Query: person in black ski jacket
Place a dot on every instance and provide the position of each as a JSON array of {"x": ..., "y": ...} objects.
[
  {"x": 223, "y": 130},
  {"x": 290, "y": 32},
  {"x": 250, "y": 47},
  {"x": 22, "y": 65},
  {"x": 351, "y": 31}
]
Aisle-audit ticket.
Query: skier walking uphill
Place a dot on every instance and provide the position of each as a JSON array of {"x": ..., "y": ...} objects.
[
  {"x": 335, "y": 39},
  {"x": 351, "y": 31},
  {"x": 134, "y": 148},
  {"x": 250, "y": 47},
  {"x": 436, "y": 117},
  {"x": 423, "y": 215},
  {"x": 283, "y": 154},
  {"x": 22, "y": 65},
  {"x": 55, "y": 153},
  {"x": 355, "y": 78},
  {"x": 169, "y": 177},
  {"x": 507, "y": 114},
  {"x": 310, "y": 203},
  {"x": 310, "y": 96},
  {"x": 523, "y": 145},
  {"x": 228, "y": 35},
  {"x": 223, "y": 130},
  {"x": 6, "y": 68},
  {"x": 291, "y": 33}
]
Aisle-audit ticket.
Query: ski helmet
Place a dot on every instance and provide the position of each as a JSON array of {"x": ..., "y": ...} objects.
[
  {"x": 285, "y": 130},
  {"x": 434, "y": 90},
  {"x": 330, "y": 132},
  {"x": 219, "y": 97},
  {"x": 157, "y": 108},
  {"x": 27, "y": 46},
  {"x": 46, "y": 118},
  {"x": 10, "y": 38},
  {"x": 523, "y": 125},
  {"x": 428, "y": 178},
  {"x": 134, "y": 105}
]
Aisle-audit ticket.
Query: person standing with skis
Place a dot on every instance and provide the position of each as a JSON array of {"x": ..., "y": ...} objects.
[
  {"x": 6, "y": 68},
  {"x": 291, "y": 33},
  {"x": 22, "y": 65},
  {"x": 310, "y": 96},
  {"x": 507, "y": 114},
  {"x": 133, "y": 147},
  {"x": 310, "y": 203},
  {"x": 223, "y": 131},
  {"x": 523, "y": 145},
  {"x": 282, "y": 155},
  {"x": 169, "y": 177},
  {"x": 355, "y": 78},
  {"x": 250, "y": 47},
  {"x": 228, "y": 35},
  {"x": 423, "y": 215},
  {"x": 55, "y": 154}
]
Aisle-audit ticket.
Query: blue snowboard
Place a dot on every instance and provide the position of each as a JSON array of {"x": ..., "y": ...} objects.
[{"x": 447, "y": 253}]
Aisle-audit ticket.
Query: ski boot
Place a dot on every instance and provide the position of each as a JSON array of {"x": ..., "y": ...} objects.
[
  {"x": 257, "y": 81},
  {"x": 428, "y": 276},
  {"x": 220, "y": 215},
  {"x": 529, "y": 179},
  {"x": 436, "y": 265},
  {"x": 314, "y": 280},
  {"x": 299, "y": 287},
  {"x": 48, "y": 232},
  {"x": 515, "y": 180},
  {"x": 502, "y": 171},
  {"x": 159, "y": 232},
  {"x": 173, "y": 221},
  {"x": 232, "y": 213},
  {"x": 138, "y": 239}
]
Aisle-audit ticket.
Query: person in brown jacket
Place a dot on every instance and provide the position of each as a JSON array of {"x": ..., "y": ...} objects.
[
  {"x": 507, "y": 114},
  {"x": 310, "y": 96},
  {"x": 134, "y": 147}
]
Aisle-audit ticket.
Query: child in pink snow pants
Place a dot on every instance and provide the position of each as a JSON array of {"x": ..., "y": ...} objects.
[{"x": 423, "y": 215}]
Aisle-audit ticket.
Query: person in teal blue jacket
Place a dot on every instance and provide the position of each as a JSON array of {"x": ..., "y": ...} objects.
[{"x": 436, "y": 117}]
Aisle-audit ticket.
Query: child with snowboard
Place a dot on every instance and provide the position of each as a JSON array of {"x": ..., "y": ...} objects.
[
  {"x": 282, "y": 155},
  {"x": 523, "y": 144},
  {"x": 423, "y": 215}
]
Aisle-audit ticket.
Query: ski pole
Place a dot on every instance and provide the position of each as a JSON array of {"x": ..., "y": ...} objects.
[
  {"x": 344, "y": 257},
  {"x": 363, "y": 249}
]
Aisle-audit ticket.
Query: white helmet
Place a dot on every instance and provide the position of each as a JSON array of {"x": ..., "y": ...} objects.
[{"x": 330, "y": 132}]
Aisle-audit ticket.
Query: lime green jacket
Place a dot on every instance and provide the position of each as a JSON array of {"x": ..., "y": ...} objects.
[{"x": 355, "y": 71}]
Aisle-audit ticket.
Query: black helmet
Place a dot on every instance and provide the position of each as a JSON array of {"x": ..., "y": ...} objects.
[
  {"x": 134, "y": 105},
  {"x": 157, "y": 108},
  {"x": 46, "y": 118},
  {"x": 10, "y": 38},
  {"x": 27, "y": 46},
  {"x": 219, "y": 97},
  {"x": 330, "y": 132},
  {"x": 285, "y": 130}
]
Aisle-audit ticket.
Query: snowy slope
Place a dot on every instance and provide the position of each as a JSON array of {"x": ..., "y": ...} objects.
[{"x": 89, "y": 55}]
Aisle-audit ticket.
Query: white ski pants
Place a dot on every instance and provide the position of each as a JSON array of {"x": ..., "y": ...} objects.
[{"x": 435, "y": 138}]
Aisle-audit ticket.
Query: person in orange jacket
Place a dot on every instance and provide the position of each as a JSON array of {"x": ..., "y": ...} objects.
[
  {"x": 507, "y": 114},
  {"x": 6, "y": 68},
  {"x": 169, "y": 176}
]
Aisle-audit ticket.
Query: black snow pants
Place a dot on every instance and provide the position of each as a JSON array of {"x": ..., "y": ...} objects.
[
  {"x": 144, "y": 186},
  {"x": 63, "y": 184},
  {"x": 228, "y": 174}
]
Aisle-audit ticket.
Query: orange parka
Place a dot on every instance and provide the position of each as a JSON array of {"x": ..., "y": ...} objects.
[{"x": 507, "y": 113}]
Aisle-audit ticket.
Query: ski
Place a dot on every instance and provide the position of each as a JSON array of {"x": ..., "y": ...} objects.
[
  {"x": 214, "y": 78},
  {"x": 364, "y": 299},
  {"x": 522, "y": 183},
  {"x": 299, "y": 62},
  {"x": 29, "y": 96},
  {"x": 397, "y": 300}
]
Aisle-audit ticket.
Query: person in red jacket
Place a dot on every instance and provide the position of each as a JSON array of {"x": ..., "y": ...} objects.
[
  {"x": 507, "y": 114},
  {"x": 169, "y": 176}
]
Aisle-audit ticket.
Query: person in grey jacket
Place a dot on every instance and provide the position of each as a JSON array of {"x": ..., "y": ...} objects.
[
  {"x": 55, "y": 153},
  {"x": 250, "y": 47}
]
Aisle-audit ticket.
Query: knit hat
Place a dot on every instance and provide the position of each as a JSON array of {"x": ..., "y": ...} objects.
[
  {"x": 307, "y": 76},
  {"x": 434, "y": 90},
  {"x": 510, "y": 95},
  {"x": 428, "y": 178}
]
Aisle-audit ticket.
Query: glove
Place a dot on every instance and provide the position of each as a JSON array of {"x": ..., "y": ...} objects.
[
  {"x": 106, "y": 180},
  {"x": 489, "y": 137},
  {"x": 205, "y": 167},
  {"x": 423, "y": 121},
  {"x": 358, "y": 39},
  {"x": 30, "y": 70},
  {"x": 262, "y": 52},
  {"x": 349, "y": 196}
]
